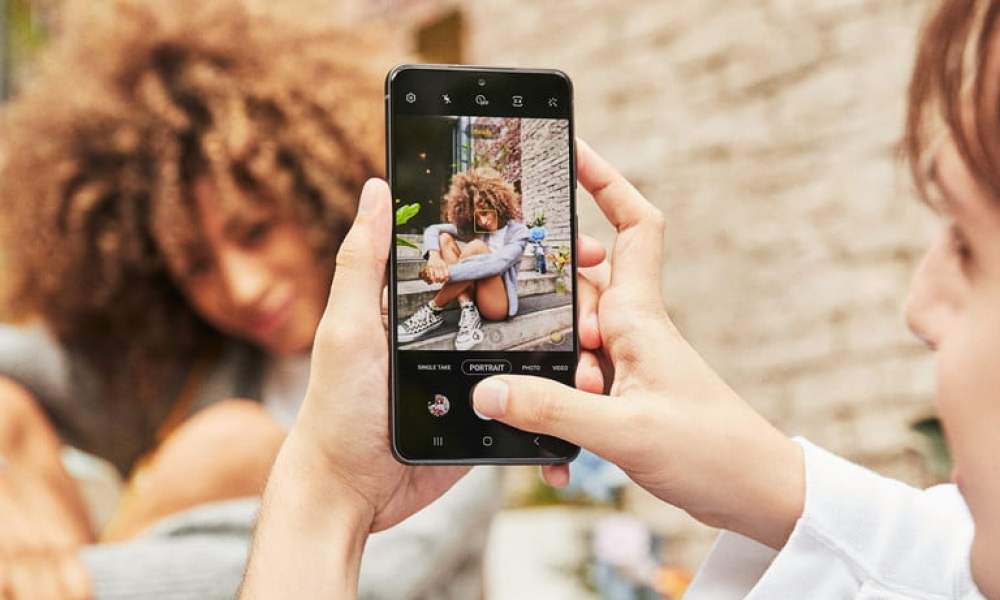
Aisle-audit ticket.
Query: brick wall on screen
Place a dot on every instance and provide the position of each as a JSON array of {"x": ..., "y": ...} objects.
[
  {"x": 545, "y": 174},
  {"x": 767, "y": 131}
]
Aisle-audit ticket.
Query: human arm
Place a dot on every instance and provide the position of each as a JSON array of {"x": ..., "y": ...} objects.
[
  {"x": 42, "y": 515},
  {"x": 691, "y": 440},
  {"x": 479, "y": 266},
  {"x": 335, "y": 479},
  {"x": 859, "y": 535},
  {"x": 436, "y": 269},
  {"x": 804, "y": 523}
]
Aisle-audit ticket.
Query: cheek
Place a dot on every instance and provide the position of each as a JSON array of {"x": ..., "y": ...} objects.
[
  {"x": 969, "y": 405},
  {"x": 206, "y": 299},
  {"x": 296, "y": 263}
]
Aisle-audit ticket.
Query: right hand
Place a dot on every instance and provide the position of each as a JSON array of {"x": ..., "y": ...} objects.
[
  {"x": 39, "y": 549},
  {"x": 436, "y": 270},
  {"x": 669, "y": 421}
]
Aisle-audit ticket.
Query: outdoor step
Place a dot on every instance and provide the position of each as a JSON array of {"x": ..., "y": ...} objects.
[
  {"x": 412, "y": 294},
  {"x": 405, "y": 251},
  {"x": 526, "y": 328},
  {"x": 408, "y": 269},
  {"x": 552, "y": 342}
]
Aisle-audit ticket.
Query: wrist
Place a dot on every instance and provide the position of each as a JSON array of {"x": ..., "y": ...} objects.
[
  {"x": 774, "y": 497},
  {"x": 318, "y": 484},
  {"x": 311, "y": 532}
]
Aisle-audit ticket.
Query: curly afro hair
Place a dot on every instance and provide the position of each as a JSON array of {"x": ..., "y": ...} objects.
[
  {"x": 458, "y": 205},
  {"x": 132, "y": 102}
]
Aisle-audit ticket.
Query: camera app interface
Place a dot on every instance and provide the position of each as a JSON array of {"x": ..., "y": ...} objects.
[{"x": 483, "y": 266}]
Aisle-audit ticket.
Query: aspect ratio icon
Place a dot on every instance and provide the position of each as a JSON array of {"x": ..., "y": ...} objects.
[
  {"x": 481, "y": 100},
  {"x": 411, "y": 97},
  {"x": 517, "y": 101}
]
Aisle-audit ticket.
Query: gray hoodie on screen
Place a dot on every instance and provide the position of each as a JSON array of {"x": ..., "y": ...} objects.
[{"x": 503, "y": 261}]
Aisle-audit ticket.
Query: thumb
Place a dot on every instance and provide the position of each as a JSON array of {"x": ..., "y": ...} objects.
[
  {"x": 360, "y": 272},
  {"x": 544, "y": 406}
]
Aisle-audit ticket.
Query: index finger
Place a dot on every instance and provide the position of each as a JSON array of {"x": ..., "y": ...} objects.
[
  {"x": 618, "y": 199},
  {"x": 637, "y": 258}
]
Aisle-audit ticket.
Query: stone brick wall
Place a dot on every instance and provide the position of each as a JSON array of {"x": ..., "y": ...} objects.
[
  {"x": 545, "y": 174},
  {"x": 767, "y": 131}
]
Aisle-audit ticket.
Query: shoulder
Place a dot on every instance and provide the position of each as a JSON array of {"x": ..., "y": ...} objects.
[{"x": 516, "y": 230}]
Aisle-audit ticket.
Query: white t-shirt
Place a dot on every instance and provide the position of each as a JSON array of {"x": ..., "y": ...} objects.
[{"x": 861, "y": 536}]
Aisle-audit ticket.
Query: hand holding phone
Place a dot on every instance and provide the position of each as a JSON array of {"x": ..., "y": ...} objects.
[{"x": 670, "y": 421}]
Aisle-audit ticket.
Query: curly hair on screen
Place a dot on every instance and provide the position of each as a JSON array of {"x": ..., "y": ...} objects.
[
  {"x": 132, "y": 102},
  {"x": 481, "y": 183}
]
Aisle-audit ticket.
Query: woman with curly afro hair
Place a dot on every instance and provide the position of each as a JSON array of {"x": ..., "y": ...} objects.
[
  {"x": 175, "y": 181},
  {"x": 482, "y": 209}
]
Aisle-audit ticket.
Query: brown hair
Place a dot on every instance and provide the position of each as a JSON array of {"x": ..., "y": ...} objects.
[
  {"x": 458, "y": 206},
  {"x": 956, "y": 86},
  {"x": 130, "y": 104}
]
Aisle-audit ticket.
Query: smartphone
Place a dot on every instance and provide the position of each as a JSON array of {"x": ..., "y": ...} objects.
[{"x": 482, "y": 278}]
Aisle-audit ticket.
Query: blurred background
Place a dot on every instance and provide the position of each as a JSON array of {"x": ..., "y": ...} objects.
[{"x": 767, "y": 130}]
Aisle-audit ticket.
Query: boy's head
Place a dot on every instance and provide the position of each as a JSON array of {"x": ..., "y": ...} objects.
[
  {"x": 953, "y": 143},
  {"x": 176, "y": 164},
  {"x": 480, "y": 200}
]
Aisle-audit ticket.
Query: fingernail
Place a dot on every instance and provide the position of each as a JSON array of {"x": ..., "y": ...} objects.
[
  {"x": 367, "y": 202},
  {"x": 490, "y": 398}
]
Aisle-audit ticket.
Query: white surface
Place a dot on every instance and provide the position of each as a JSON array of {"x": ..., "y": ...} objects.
[{"x": 536, "y": 552}]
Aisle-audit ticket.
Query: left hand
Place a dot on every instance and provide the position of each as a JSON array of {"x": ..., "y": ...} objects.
[
  {"x": 335, "y": 479},
  {"x": 342, "y": 429}
]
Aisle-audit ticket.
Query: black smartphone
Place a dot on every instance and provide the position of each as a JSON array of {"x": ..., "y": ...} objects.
[{"x": 482, "y": 279}]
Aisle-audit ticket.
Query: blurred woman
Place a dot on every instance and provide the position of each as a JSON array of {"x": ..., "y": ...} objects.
[{"x": 176, "y": 181}]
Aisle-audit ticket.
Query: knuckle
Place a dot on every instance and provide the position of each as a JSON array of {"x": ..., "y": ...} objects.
[{"x": 657, "y": 219}]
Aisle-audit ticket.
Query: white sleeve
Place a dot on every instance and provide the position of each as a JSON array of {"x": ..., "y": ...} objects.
[{"x": 860, "y": 535}]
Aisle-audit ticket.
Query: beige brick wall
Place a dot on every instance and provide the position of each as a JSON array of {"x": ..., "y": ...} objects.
[
  {"x": 766, "y": 130},
  {"x": 545, "y": 174}
]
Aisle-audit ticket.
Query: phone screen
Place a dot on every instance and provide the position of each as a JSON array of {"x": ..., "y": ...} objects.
[{"x": 482, "y": 276}]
